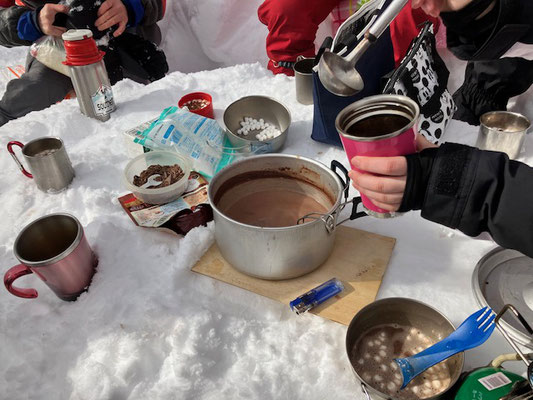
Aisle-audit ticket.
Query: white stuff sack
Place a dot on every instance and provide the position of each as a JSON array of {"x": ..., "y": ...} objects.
[{"x": 50, "y": 51}]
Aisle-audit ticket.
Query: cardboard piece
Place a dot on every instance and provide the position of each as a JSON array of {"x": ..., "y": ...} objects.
[{"x": 359, "y": 259}]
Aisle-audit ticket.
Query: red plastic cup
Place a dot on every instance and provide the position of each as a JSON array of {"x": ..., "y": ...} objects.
[
  {"x": 380, "y": 126},
  {"x": 206, "y": 111}
]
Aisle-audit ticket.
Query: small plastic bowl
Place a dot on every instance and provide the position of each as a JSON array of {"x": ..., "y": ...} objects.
[
  {"x": 206, "y": 111},
  {"x": 160, "y": 195}
]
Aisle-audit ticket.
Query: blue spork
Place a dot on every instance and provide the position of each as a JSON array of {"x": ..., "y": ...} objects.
[{"x": 474, "y": 331}]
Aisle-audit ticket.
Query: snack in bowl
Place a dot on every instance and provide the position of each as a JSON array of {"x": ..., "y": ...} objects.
[
  {"x": 374, "y": 354},
  {"x": 397, "y": 327},
  {"x": 198, "y": 103}
]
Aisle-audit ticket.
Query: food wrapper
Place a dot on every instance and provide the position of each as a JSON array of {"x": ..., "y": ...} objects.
[
  {"x": 192, "y": 209},
  {"x": 50, "y": 51}
]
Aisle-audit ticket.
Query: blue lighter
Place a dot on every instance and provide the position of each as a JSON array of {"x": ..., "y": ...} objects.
[{"x": 315, "y": 296}]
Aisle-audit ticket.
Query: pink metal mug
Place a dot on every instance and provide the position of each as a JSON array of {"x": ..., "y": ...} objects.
[
  {"x": 382, "y": 125},
  {"x": 53, "y": 247}
]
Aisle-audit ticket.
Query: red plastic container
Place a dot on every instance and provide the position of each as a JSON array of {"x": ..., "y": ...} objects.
[{"x": 206, "y": 111}]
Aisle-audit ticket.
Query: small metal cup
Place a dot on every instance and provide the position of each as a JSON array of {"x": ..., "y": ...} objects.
[
  {"x": 48, "y": 162},
  {"x": 54, "y": 248},
  {"x": 503, "y": 131},
  {"x": 303, "y": 74}
]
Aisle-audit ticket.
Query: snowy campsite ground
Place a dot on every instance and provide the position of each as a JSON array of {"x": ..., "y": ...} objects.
[{"x": 149, "y": 328}]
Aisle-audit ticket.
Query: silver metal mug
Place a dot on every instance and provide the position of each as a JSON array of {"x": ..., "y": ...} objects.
[
  {"x": 503, "y": 131},
  {"x": 303, "y": 74},
  {"x": 47, "y": 161},
  {"x": 54, "y": 248}
]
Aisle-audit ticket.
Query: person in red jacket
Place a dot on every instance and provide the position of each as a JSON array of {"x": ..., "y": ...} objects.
[
  {"x": 6, "y": 3},
  {"x": 292, "y": 27}
]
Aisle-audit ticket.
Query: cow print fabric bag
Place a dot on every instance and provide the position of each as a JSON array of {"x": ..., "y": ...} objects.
[{"x": 423, "y": 76}]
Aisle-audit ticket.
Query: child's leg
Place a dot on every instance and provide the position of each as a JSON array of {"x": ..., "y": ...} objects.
[{"x": 38, "y": 88}]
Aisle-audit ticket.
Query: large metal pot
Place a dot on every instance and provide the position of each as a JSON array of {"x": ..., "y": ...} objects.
[
  {"x": 404, "y": 312},
  {"x": 286, "y": 252}
]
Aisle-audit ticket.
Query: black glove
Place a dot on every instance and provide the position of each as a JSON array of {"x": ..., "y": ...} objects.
[
  {"x": 489, "y": 85},
  {"x": 113, "y": 63},
  {"x": 140, "y": 57},
  {"x": 83, "y": 14},
  {"x": 418, "y": 172}
]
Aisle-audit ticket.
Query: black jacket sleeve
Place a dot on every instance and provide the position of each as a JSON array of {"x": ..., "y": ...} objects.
[
  {"x": 471, "y": 37},
  {"x": 474, "y": 191},
  {"x": 9, "y": 18}
]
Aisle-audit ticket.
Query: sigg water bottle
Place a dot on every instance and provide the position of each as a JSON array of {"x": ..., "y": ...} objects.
[{"x": 88, "y": 74}]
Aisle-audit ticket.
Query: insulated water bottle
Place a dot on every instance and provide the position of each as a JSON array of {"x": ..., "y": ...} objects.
[{"x": 88, "y": 74}]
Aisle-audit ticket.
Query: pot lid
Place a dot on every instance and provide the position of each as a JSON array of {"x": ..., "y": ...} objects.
[{"x": 506, "y": 277}]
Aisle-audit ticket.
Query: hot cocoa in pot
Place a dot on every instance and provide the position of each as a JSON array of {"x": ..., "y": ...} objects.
[{"x": 271, "y": 199}]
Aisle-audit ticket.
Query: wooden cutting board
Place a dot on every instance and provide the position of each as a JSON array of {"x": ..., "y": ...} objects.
[{"x": 359, "y": 260}]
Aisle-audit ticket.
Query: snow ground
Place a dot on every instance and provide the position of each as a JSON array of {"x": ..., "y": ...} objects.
[{"x": 151, "y": 329}]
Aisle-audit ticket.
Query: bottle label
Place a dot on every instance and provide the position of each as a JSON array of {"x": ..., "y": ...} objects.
[{"x": 103, "y": 101}]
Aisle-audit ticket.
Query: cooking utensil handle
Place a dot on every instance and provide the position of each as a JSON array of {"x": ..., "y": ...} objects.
[
  {"x": 326, "y": 45},
  {"x": 504, "y": 333},
  {"x": 385, "y": 19},
  {"x": 517, "y": 314},
  {"x": 337, "y": 165},
  {"x": 12, "y": 153},
  {"x": 13, "y": 274}
]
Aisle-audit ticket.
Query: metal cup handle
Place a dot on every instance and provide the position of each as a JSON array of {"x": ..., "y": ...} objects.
[
  {"x": 13, "y": 274},
  {"x": 13, "y": 155}
]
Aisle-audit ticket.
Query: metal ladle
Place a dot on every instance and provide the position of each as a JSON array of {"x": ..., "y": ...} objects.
[{"x": 338, "y": 74}]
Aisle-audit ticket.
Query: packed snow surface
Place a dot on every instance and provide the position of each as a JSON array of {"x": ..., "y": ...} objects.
[{"x": 149, "y": 328}]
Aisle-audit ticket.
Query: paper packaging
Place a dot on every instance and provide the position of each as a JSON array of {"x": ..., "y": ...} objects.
[
  {"x": 178, "y": 217},
  {"x": 133, "y": 136}
]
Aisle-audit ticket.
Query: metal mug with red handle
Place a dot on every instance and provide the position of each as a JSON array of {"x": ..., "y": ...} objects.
[
  {"x": 379, "y": 126},
  {"x": 54, "y": 248},
  {"x": 48, "y": 162}
]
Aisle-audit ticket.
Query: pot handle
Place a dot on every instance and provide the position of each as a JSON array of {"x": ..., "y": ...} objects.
[
  {"x": 365, "y": 392},
  {"x": 345, "y": 183},
  {"x": 354, "y": 214}
]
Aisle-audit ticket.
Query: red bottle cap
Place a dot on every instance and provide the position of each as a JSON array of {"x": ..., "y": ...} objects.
[{"x": 80, "y": 48}]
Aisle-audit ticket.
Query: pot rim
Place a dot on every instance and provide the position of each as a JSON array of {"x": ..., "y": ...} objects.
[
  {"x": 369, "y": 387},
  {"x": 384, "y": 99},
  {"x": 331, "y": 211}
]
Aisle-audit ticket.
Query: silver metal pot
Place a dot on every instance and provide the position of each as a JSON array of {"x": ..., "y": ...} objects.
[
  {"x": 286, "y": 252},
  {"x": 406, "y": 312}
]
